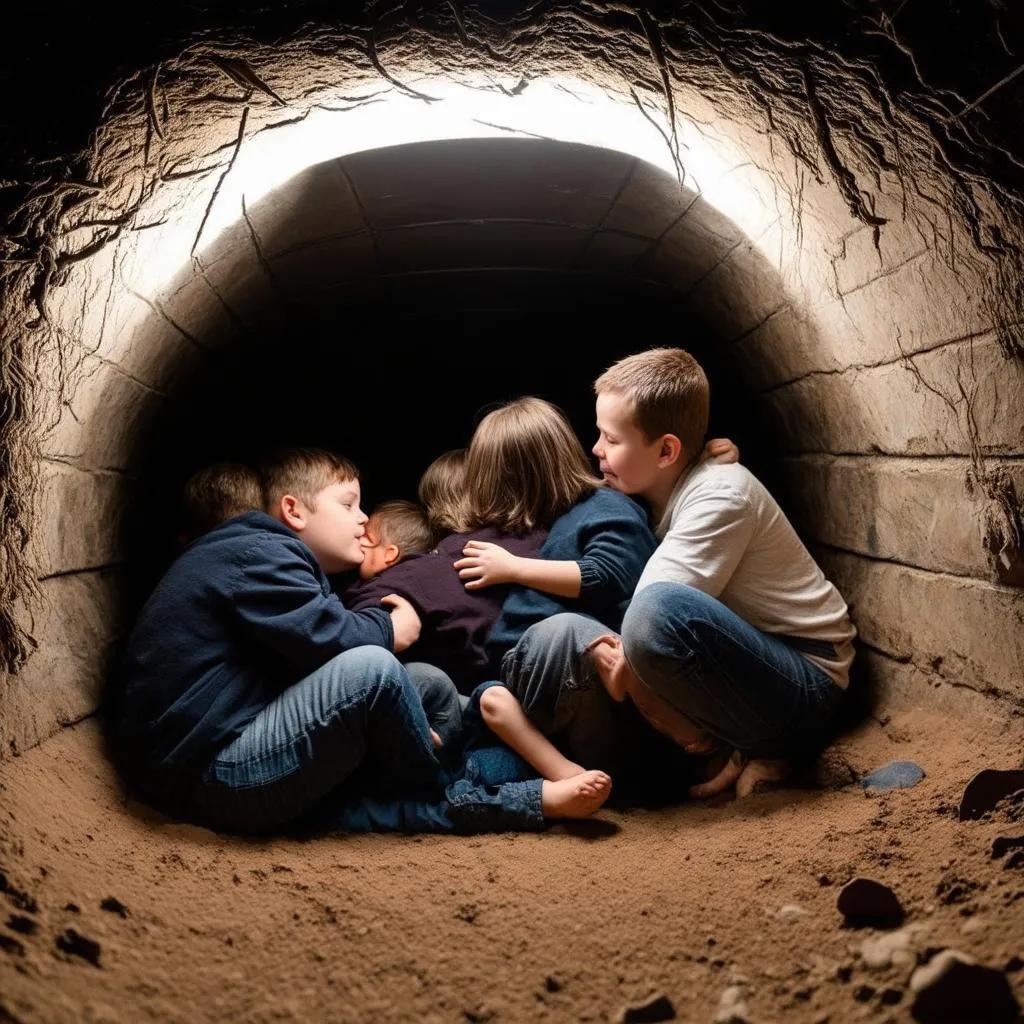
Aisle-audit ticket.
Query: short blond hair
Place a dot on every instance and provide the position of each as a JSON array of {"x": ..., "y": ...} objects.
[
  {"x": 304, "y": 473},
  {"x": 668, "y": 392},
  {"x": 525, "y": 467},
  {"x": 404, "y": 524},
  {"x": 217, "y": 493},
  {"x": 442, "y": 492}
]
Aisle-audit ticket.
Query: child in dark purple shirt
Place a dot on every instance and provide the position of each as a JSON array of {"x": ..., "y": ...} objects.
[{"x": 402, "y": 558}]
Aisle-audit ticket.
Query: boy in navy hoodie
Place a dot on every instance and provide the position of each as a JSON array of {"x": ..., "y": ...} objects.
[{"x": 253, "y": 699}]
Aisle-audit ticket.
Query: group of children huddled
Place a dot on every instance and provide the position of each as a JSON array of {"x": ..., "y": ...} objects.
[{"x": 490, "y": 667}]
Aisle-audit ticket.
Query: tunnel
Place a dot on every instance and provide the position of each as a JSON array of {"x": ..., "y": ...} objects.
[{"x": 286, "y": 227}]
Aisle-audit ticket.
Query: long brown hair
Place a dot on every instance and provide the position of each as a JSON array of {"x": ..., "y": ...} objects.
[{"x": 525, "y": 467}]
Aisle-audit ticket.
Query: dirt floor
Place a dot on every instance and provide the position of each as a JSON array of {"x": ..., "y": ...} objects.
[{"x": 111, "y": 913}]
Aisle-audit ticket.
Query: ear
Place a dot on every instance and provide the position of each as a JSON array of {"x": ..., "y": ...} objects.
[
  {"x": 670, "y": 448},
  {"x": 391, "y": 554},
  {"x": 292, "y": 512}
]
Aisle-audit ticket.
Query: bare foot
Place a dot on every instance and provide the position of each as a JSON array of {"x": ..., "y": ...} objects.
[
  {"x": 724, "y": 780},
  {"x": 578, "y": 797},
  {"x": 761, "y": 774}
]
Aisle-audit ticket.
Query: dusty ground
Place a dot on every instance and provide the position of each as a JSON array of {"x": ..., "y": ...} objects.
[{"x": 567, "y": 925}]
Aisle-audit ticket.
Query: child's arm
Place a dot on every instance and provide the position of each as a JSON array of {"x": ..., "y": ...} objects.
[
  {"x": 614, "y": 551},
  {"x": 487, "y": 564}
]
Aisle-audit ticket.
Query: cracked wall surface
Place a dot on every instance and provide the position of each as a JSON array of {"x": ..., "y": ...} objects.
[{"x": 850, "y": 238}]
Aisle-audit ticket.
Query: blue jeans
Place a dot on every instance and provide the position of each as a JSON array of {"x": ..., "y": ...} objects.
[
  {"x": 563, "y": 696},
  {"x": 349, "y": 747},
  {"x": 440, "y": 699},
  {"x": 755, "y": 691}
]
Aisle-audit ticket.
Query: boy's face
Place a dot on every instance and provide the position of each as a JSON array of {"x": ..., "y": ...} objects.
[
  {"x": 628, "y": 461},
  {"x": 335, "y": 528},
  {"x": 377, "y": 555}
]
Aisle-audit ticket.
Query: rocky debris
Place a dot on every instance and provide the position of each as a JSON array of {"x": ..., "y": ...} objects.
[
  {"x": 114, "y": 906},
  {"x": 12, "y": 946},
  {"x": 552, "y": 984},
  {"x": 892, "y": 949},
  {"x": 732, "y": 1007},
  {"x": 792, "y": 912},
  {"x": 987, "y": 788},
  {"x": 74, "y": 944},
  {"x": 1002, "y": 845},
  {"x": 952, "y": 987},
  {"x": 21, "y": 924},
  {"x": 953, "y": 889},
  {"x": 894, "y": 775},
  {"x": 863, "y": 902},
  {"x": 20, "y": 899},
  {"x": 658, "y": 1008}
]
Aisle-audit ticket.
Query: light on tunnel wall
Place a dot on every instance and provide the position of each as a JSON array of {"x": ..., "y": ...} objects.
[{"x": 372, "y": 117}]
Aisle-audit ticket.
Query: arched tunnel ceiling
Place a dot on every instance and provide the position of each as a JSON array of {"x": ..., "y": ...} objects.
[{"x": 859, "y": 264}]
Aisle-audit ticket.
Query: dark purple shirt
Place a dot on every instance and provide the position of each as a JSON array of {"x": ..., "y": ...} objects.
[{"x": 456, "y": 621}]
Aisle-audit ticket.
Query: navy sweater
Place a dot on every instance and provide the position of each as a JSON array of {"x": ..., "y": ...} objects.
[
  {"x": 455, "y": 621},
  {"x": 607, "y": 533},
  {"x": 243, "y": 613}
]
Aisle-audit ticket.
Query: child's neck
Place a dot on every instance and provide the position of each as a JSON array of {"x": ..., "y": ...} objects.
[{"x": 660, "y": 493}]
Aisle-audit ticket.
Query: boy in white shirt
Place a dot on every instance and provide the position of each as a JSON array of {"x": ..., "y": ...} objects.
[{"x": 733, "y": 635}]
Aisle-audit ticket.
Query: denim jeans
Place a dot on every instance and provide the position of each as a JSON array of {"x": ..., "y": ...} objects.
[
  {"x": 752, "y": 690},
  {"x": 563, "y": 696},
  {"x": 440, "y": 699},
  {"x": 349, "y": 747}
]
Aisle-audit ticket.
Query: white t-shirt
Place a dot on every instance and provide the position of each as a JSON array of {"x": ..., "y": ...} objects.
[{"x": 724, "y": 534}]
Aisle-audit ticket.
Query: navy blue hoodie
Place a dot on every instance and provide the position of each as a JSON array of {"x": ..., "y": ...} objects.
[{"x": 243, "y": 613}]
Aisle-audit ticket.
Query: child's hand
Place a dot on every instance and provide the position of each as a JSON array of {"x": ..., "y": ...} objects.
[
  {"x": 486, "y": 564},
  {"x": 405, "y": 623},
  {"x": 722, "y": 450}
]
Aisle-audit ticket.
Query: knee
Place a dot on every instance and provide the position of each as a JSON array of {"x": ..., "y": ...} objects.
[
  {"x": 374, "y": 667},
  {"x": 495, "y": 704},
  {"x": 657, "y": 622}
]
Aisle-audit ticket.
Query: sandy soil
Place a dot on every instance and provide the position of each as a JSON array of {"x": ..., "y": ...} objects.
[{"x": 573, "y": 924}]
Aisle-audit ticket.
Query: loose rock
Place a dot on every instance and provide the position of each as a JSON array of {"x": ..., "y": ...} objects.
[
  {"x": 732, "y": 1007},
  {"x": 882, "y": 951},
  {"x": 987, "y": 788},
  {"x": 867, "y": 903},
  {"x": 114, "y": 906},
  {"x": 1003, "y": 844},
  {"x": 951, "y": 987},
  {"x": 658, "y": 1008},
  {"x": 894, "y": 775},
  {"x": 74, "y": 944}
]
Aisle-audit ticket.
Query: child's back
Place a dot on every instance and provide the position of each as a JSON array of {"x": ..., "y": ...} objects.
[
  {"x": 456, "y": 622},
  {"x": 243, "y": 613}
]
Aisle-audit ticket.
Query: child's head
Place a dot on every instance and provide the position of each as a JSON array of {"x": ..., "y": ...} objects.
[
  {"x": 442, "y": 492},
  {"x": 316, "y": 493},
  {"x": 652, "y": 415},
  {"x": 525, "y": 467},
  {"x": 395, "y": 530},
  {"x": 218, "y": 493}
]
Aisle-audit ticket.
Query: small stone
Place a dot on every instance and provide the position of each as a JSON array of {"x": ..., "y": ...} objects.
[
  {"x": 552, "y": 984},
  {"x": 865, "y": 902},
  {"x": 986, "y": 789},
  {"x": 894, "y": 775},
  {"x": 658, "y": 1008},
  {"x": 114, "y": 906},
  {"x": 1013, "y": 965},
  {"x": 882, "y": 951},
  {"x": 890, "y": 996},
  {"x": 792, "y": 912},
  {"x": 864, "y": 993},
  {"x": 732, "y": 1007},
  {"x": 952, "y": 987},
  {"x": 973, "y": 925},
  {"x": 1003, "y": 844},
  {"x": 74, "y": 944}
]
